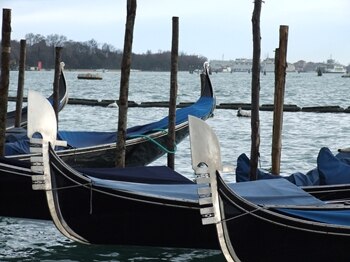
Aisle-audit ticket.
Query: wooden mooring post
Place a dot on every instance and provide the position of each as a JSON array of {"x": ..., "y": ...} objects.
[
  {"x": 5, "y": 74},
  {"x": 173, "y": 92},
  {"x": 280, "y": 80},
  {"x": 255, "y": 93},
  {"x": 20, "y": 87},
  {"x": 124, "y": 84}
]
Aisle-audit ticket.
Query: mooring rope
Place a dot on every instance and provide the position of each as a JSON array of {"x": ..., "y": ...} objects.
[
  {"x": 75, "y": 186},
  {"x": 157, "y": 143},
  {"x": 68, "y": 187},
  {"x": 238, "y": 216}
]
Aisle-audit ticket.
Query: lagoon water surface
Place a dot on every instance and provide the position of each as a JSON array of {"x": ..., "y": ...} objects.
[{"x": 303, "y": 135}]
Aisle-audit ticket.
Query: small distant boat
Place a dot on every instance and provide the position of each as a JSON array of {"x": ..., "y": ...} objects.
[
  {"x": 243, "y": 113},
  {"x": 90, "y": 76},
  {"x": 227, "y": 69},
  {"x": 346, "y": 75},
  {"x": 113, "y": 105}
]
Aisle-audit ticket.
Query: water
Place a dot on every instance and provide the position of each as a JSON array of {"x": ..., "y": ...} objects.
[{"x": 303, "y": 135}]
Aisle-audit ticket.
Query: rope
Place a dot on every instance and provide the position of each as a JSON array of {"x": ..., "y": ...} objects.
[
  {"x": 238, "y": 216},
  {"x": 67, "y": 187},
  {"x": 157, "y": 143},
  {"x": 80, "y": 185}
]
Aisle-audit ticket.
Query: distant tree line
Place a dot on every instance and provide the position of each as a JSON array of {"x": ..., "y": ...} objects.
[{"x": 92, "y": 55}]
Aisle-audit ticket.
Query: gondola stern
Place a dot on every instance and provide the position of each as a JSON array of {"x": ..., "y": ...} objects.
[
  {"x": 64, "y": 97},
  {"x": 206, "y": 86}
]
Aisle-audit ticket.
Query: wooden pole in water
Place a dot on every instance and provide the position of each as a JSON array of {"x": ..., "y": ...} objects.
[
  {"x": 124, "y": 83},
  {"x": 173, "y": 92},
  {"x": 280, "y": 80},
  {"x": 56, "y": 83},
  {"x": 255, "y": 120},
  {"x": 5, "y": 74},
  {"x": 20, "y": 87}
]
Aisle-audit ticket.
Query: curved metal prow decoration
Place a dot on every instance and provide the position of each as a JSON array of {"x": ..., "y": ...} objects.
[
  {"x": 206, "y": 161},
  {"x": 42, "y": 120},
  {"x": 205, "y": 147},
  {"x": 41, "y": 117},
  {"x": 206, "y": 67}
]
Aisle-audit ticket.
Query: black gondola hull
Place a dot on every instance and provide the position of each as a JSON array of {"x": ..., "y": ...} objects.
[
  {"x": 258, "y": 234},
  {"x": 140, "y": 151},
  {"x": 102, "y": 216}
]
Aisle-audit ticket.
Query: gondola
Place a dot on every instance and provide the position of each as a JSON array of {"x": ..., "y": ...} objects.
[
  {"x": 95, "y": 209},
  {"x": 11, "y": 131},
  {"x": 16, "y": 176},
  {"x": 144, "y": 144},
  {"x": 268, "y": 219}
]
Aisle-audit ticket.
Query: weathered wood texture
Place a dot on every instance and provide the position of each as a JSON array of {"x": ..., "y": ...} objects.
[
  {"x": 255, "y": 119},
  {"x": 173, "y": 91},
  {"x": 280, "y": 80},
  {"x": 20, "y": 86},
  {"x": 124, "y": 83},
  {"x": 5, "y": 73}
]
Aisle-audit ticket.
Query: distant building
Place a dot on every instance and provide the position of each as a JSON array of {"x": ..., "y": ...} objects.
[
  {"x": 221, "y": 66},
  {"x": 245, "y": 65},
  {"x": 242, "y": 65},
  {"x": 333, "y": 67}
]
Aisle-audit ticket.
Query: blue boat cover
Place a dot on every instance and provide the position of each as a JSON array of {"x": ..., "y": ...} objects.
[
  {"x": 330, "y": 170},
  {"x": 184, "y": 192},
  {"x": 261, "y": 192},
  {"x": 148, "y": 175},
  {"x": 274, "y": 192},
  {"x": 268, "y": 192},
  {"x": 335, "y": 217},
  {"x": 79, "y": 139},
  {"x": 333, "y": 170}
]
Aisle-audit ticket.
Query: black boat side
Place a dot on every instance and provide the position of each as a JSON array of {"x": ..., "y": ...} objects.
[
  {"x": 100, "y": 215},
  {"x": 275, "y": 236},
  {"x": 16, "y": 176},
  {"x": 265, "y": 220}
]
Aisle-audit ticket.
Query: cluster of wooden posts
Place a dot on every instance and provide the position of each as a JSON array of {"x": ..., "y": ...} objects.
[
  {"x": 280, "y": 72},
  {"x": 124, "y": 82}
]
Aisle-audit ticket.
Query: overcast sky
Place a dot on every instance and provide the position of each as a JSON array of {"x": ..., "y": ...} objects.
[{"x": 221, "y": 29}]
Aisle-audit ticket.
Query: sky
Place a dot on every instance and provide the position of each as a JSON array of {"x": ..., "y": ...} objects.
[{"x": 218, "y": 30}]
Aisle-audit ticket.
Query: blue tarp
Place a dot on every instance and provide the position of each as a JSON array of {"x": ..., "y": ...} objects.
[
  {"x": 333, "y": 170},
  {"x": 336, "y": 217},
  {"x": 78, "y": 139},
  {"x": 276, "y": 192},
  {"x": 261, "y": 192},
  {"x": 330, "y": 170},
  {"x": 148, "y": 175},
  {"x": 185, "y": 192}
]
